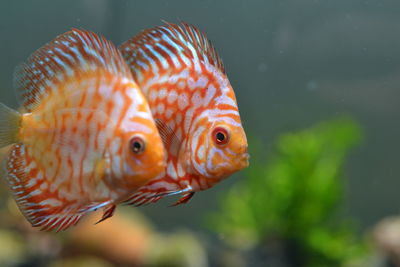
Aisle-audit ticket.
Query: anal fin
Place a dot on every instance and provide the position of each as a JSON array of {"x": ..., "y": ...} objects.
[
  {"x": 146, "y": 196},
  {"x": 41, "y": 207},
  {"x": 142, "y": 197}
]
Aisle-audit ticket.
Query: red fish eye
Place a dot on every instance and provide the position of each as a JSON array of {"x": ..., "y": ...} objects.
[
  {"x": 137, "y": 145},
  {"x": 221, "y": 136}
]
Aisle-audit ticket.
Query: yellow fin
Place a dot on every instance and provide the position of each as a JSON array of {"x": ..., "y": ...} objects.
[{"x": 10, "y": 122}]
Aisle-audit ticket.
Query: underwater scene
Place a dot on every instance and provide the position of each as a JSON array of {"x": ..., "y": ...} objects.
[{"x": 200, "y": 133}]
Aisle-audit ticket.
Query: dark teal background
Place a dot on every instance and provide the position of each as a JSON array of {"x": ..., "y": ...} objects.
[{"x": 291, "y": 64}]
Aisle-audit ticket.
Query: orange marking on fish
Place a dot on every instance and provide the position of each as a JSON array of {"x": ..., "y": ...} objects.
[
  {"x": 187, "y": 90},
  {"x": 70, "y": 89}
]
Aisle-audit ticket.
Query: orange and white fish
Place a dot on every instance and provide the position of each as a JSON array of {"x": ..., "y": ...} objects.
[
  {"x": 84, "y": 138},
  {"x": 194, "y": 107}
]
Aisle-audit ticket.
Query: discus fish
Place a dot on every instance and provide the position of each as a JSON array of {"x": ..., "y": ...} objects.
[
  {"x": 194, "y": 107},
  {"x": 84, "y": 137}
]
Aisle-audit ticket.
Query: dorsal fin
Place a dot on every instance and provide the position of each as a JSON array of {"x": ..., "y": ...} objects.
[
  {"x": 68, "y": 55},
  {"x": 169, "y": 44}
]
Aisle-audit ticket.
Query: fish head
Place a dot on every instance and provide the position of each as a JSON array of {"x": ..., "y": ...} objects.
[
  {"x": 226, "y": 150},
  {"x": 219, "y": 147},
  {"x": 143, "y": 154}
]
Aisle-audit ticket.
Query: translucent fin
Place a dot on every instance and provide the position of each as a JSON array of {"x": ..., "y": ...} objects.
[
  {"x": 170, "y": 140},
  {"x": 177, "y": 192},
  {"x": 170, "y": 45},
  {"x": 68, "y": 56},
  {"x": 142, "y": 197},
  {"x": 40, "y": 205},
  {"x": 187, "y": 194},
  {"x": 10, "y": 122},
  {"x": 146, "y": 195}
]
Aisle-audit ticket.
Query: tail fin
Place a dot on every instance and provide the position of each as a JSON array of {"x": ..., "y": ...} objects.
[{"x": 10, "y": 122}]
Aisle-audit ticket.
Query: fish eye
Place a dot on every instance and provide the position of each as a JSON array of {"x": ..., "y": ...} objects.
[
  {"x": 137, "y": 145},
  {"x": 220, "y": 136}
]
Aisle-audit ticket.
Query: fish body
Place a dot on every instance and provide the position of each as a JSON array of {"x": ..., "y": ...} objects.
[
  {"x": 84, "y": 137},
  {"x": 194, "y": 107}
]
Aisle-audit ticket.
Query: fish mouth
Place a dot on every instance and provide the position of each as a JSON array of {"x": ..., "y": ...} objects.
[
  {"x": 244, "y": 161},
  {"x": 241, "y": 162}
]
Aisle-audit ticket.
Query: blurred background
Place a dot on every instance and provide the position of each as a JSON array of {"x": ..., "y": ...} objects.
[{"x": 318, "y": 89}]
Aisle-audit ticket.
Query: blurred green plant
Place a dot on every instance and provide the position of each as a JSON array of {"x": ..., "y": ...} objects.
[{"x": 295, "y": 197}]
